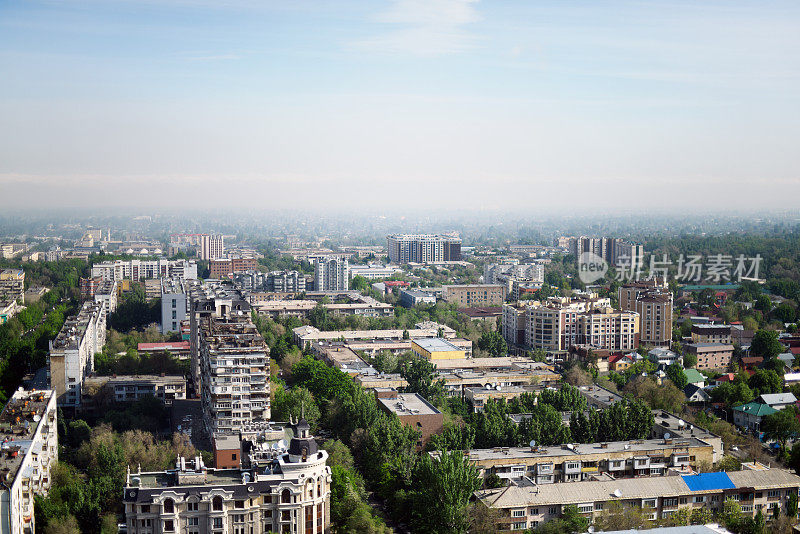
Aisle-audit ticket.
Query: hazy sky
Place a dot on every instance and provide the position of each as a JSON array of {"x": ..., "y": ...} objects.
[{"x": 458, "y": 103}]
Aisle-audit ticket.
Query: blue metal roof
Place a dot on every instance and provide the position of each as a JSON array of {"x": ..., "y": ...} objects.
[{"x": 708, "y": 481}]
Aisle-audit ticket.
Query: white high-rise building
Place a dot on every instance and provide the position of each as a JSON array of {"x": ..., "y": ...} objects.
[
  {"x": 212, "y": 247},
  {"x": 331, "y": 274},
  {"x": 72, "y": 352}
]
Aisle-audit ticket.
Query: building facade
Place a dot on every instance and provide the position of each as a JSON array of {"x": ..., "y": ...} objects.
[
  {"x": 234, "y": 364},
  {"x": 139, "y": 270},
  {"x": 417, "y": 248},
  {"x": 12, "y": 285},
  {"x": 289, "y": 492},
  {"x": 223, "y": 268},
  {"x": 174, "y": 304},
  {"x": 529, "y": 506},
  {"x": 474, "y": 295},
  {"x": 71, "y": 356},
  {"x": 331, "y": 274},
  {"x": 28, "y": 430},
  {"x": 653, "y": 302}
]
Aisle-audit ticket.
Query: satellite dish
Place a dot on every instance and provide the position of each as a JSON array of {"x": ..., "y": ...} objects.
[
  {"x": 667, "y": 435},
  {"x": 532, "y": 443},
  {"x": 617, "y": 493}
]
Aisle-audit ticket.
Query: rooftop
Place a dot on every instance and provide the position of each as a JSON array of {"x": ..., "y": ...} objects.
[
  {"x": 436, "y": 344},
  {"x": 19, "y": 421},
  {"x": 581, "y": 449},
  {"x": 408, "y": 404}
]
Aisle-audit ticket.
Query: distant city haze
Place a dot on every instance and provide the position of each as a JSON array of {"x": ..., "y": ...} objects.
[{"x": 457, "y": 104}]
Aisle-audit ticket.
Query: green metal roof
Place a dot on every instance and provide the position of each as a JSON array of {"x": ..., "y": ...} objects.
[
  {"x": 756, "y": 408},
  {"x": 694, "y": 376}
]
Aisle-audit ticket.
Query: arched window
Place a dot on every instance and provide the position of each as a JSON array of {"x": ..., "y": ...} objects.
[
  {"x": 286, "y": 496},
  {"x": 216, "y": 504},
  {"x": 169, "y": 506}
]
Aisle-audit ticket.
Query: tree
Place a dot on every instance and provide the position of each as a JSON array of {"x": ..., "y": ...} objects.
[
  {"x": 689, "y": 360},
  {"x": 295, "y": 403},
  {"x": 360, "y": 283},
  {"x": 676, "y": 374},
  {"x": 765, "y": 344},
  {"x": 493, "y": 343},
  {"x": 765, "y": 381},
  {"x": 781, "y": 426},
  {"x": 731, "y": 515},
  {"x": 443, "y": 487},
  {"x": 577, "y": 376},
  {"x": 483, "y": 519},
  {"x": 421, "y": 377},
  {"x": 67, "y": 525}
]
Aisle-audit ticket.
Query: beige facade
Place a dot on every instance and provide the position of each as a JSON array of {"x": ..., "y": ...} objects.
[
  {"x": 653, "y": 302},
  {"x": 523, "y": 507},
  {"x": 556, "y": 327},
  {"x": 472, "y": 295},
  {"x": 711, "y": 355}
]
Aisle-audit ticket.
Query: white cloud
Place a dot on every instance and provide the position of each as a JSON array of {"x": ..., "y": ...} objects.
[{"x": 425, "y": 28}]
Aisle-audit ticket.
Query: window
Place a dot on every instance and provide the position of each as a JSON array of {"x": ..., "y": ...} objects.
[
  {"x": 519, "y": 526},
  {"x": 145, "y": 509},
  {"x": 773, "y": 494},
  {"x": 518, "y": 513},
  {"x": 216, "y": 504},
  {"x": 193, "y": 521},
  {"x": 534, "y": 511},
  {"x": 217, "y": 522},
  {"x": 193, "y": 506},
  {"x": 552, "y": 510},
  {"x": 286, "y": 496},
  {"x": 699, "y": 498},
  {"x": 238, "y": 518},
  {"x": 169, "y": 506},
  {"x": 237, "y": 504},
  {"x": 169, "y": 525}
]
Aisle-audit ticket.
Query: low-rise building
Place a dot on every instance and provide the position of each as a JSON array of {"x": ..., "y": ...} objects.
[
  {"x": 305, "y": 335},
  {"x": 437, "y": 348},
  {"x": 223, "y": 268},
  {"x": 749, "y": 415},
  {"x": 779, "y": 401},
  {"x": 413, "y": 410},
  {"x": 131, "y": 388},
  {"x": 28, "y": 431},
  {"x": 711, "y": 355},
  {"x": 663, "y": 356},
  {"x": 415, "y": 297},
  {"x": 471, "y": 295},
  {"x": 585, "y": 461},
  {"x": 479, "y": 396},
  {"x": 711, "y": 333},
  {"x": 529, "y": 506}
]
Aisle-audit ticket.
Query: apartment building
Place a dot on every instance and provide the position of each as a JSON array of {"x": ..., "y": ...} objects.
[
  {"x": 174, "y": 304},
  {"x": 478, "y": 396},
  {"x": 513, "y": 324},
  {"x": 587, "y": 461},
  {"x": 271, "y": 282},
  {"x": 711, "y": 333},
  {"x": 475, "y": 295},
  {"x": 103, "y": 389},
  {"x": 212, "y": 247},
  {"x": 28, "y": 431},
  {"x": 374, "y": 271},
  {"x": 290, "y": 493},
  {"x": 212, "y": 299},
  {"x": 107, "y": 294},
  {"x": 418, "y": 248},
  {"x": 223, "y": 268},
  {"x": 139, "y": 270},
  {"x": 529, "y": 506},
  {"x": 71, "y": 356},
  {"x": 331, "y": 273},
  {"x": 653, "y": 302},
  {"x": 12, "y": 285},
  {"x": 711, "y": 355},
  {"x": 360, "y": 305},
  {"x": 456, "y": 382},
  {"x": 234, "y": 366},
  {"x": 557, "y": 327}
]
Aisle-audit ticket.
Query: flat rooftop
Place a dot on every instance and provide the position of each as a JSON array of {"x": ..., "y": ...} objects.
[
  {"x": 19, "y": 421},
  {"x": 408, "y": 404},
  {"x": 436, "y": 344},
  {"x": 645, "y": 447}
]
